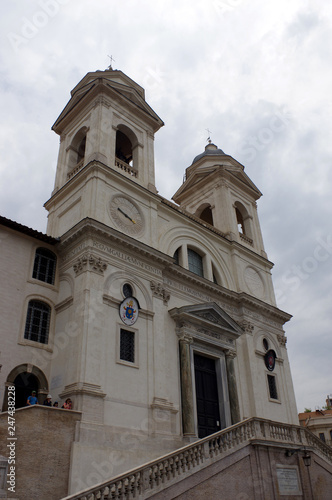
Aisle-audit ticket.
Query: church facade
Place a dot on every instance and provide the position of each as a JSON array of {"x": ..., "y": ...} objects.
[{"x": 157, "y": 318}]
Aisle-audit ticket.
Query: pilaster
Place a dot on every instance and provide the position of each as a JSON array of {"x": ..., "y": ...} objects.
[
  {"x": 232, "y": 387},
  {"x": 188, "y": 421}
]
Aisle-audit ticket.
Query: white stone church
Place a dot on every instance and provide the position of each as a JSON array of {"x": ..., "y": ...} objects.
[{"x": 157, "y": 318}]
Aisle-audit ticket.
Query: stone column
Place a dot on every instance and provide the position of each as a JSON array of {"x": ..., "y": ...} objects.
[
  {"x": 188, "y": 422},
  {"x": 232, "y": 388}
]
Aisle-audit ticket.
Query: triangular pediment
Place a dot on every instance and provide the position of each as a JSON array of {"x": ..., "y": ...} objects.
[
  {"x": 205, "y": 174},
  {"x": 209, "y": 316}
]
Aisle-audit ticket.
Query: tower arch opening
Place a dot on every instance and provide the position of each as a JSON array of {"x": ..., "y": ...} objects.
[
  {"x": 126, "y": 150},
  {"x": 76, "y": 150},
  {"x": 204, "y": 212},
  {"x": 243, "y": 220},
  {"x": 123, "y": 148}
]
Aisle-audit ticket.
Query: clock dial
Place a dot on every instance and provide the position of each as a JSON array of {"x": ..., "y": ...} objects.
[{"x": 126, "y": 215}]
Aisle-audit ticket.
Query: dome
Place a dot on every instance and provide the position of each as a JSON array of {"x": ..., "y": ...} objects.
[{"x": 210, "y": 150}]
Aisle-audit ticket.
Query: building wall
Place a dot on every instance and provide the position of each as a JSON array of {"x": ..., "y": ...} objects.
[
  {"x": 17, "y": 287},
  {"x": 43, "y": 444},
  {"x": 252, "y": 473}
]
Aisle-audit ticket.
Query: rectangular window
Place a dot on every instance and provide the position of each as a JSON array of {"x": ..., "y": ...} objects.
[
  {"x": 127, "y": 346},
  {"x": 322, "y": 436},
  {"x": 37, "y": 322},
  {"x": 195, "y": 262},
  {"x": 272, "y": 387},
  {"x": 44, "y": 266}
]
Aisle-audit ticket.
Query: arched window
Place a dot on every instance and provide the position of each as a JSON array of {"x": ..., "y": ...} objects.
[
  {"x": 38, "y": 322},
  {"x": 195, "y": 262},
  {"x": 44, "y": 266},
  {"x": 123, "y": 148}
]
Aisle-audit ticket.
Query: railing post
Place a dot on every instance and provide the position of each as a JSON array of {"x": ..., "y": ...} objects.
[
  {"x": 145, "y": 479},
  {"x": 294, "y": 434},
  {"x": 206, "y": 450},
  {"x": 267, "y": 430},
  {"x": 258, "y": 429}
]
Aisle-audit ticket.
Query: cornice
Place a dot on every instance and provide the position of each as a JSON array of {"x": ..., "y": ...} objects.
[
  {"x": 193, "y": 217},
  {"x": 96, "y": 164},
  {"x": 244, "y": 299},
  {"x": 101, "y": 85},
  {"x": 216, "y": 231},
  {"x": 241, "y": 299},
  {"x": 92, "y": 228},
  {"x": 92, "y": 165}
]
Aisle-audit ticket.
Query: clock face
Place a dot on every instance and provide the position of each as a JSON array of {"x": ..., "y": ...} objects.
[{"x": 126, "y": 215}]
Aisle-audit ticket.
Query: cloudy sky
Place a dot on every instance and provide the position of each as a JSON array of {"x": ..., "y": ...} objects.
[{"x": 257, "y": 74}]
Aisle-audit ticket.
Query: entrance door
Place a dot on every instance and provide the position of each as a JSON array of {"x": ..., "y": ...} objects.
[{"x": 207, "y": 400}]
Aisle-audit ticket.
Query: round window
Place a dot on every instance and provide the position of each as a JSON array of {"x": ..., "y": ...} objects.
[{"x": 127, "y": 290}]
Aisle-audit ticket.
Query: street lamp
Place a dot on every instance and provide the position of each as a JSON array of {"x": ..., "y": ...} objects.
[{"x": 306, "y": 458}]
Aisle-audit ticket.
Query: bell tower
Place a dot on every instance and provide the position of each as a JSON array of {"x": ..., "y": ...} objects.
[
  {"x": 106, "y": 132},
  {"x": 218, "y": 191}
]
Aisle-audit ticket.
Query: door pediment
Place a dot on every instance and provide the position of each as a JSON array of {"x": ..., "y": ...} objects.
[{"x": 207, "y": 323}]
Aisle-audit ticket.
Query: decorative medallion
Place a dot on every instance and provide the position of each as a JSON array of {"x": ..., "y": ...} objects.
[
  {"x": 270, "y": 360},
  {"x": 129, "y": 311}
]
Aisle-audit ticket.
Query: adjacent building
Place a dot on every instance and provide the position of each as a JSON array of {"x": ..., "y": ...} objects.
[{"x": 319, "y": 421}]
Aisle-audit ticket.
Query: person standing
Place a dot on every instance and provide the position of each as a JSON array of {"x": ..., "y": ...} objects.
[
  {"x": 32, "y": 400},
  {"x": 48, "y": 400},
  {"x": 67, "y": 405}
]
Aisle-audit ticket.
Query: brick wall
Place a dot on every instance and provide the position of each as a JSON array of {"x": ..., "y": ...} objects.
[{"x": 42, "y": 451}]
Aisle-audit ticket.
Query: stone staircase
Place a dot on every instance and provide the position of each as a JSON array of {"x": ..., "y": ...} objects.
[{"x": 161, "y": 478}]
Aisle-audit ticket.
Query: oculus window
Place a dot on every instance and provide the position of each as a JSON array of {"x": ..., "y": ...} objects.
[{"x": 127, "y": 290}]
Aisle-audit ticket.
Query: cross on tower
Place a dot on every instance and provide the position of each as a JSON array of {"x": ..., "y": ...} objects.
[
  {"x": 111, "y": 59},
  {"x": 209, "y": 132}
]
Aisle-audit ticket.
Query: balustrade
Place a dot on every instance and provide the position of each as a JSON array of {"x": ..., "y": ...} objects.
[
  {"x": 246, "y": 239},
  {"x": 140, "y": 483},
  {"x": 125, "y": 167},
  {"x": 76, "y": 169}
]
